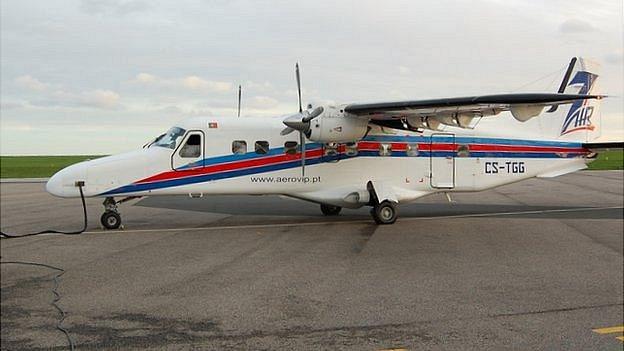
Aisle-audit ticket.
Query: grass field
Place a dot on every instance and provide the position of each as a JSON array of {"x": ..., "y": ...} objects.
[
  {"x": 45, "y": 166},
  {"x": 608, "y": 160},
  {"x": 36, "y": 166}
]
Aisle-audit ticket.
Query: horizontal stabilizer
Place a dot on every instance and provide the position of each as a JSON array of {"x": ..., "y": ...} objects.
[{"x": 602, "y": 146}]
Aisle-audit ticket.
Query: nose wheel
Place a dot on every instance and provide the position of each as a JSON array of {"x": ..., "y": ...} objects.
[{"x": 110, "y": 218}]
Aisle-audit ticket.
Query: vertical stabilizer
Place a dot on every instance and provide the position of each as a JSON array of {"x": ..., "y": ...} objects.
[{"x": 579, "y": 121}]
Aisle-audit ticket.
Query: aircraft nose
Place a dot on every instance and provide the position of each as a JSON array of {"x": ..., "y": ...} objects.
[
  {"x": 63, "y": 182},
  {"x": 55, "y": 184}
]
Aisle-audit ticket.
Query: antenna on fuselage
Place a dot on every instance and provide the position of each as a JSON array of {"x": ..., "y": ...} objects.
[{"x": 239, "y": 99}]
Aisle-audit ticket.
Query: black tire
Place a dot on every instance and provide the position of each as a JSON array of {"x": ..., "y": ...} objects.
[
  {"x": 330, "y": 210},
  {"x": 385, "y": 213},
  {"x": 110, "y": 220}
]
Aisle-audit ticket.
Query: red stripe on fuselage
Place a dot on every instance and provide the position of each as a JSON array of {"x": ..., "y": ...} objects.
[
  {"x": 230, "y": 166},
  {"x": 362, "y": 146}
]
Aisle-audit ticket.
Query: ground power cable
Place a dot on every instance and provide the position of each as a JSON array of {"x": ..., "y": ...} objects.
[
  {"x": 57, "y": 296},
  {"x": 4, "y": 235},
  {"x": 60, "y": 271}
]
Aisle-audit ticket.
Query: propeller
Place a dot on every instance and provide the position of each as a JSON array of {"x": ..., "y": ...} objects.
[
  {"x": 301, "y": 121},
  {"x": 239, "y": 100},
  {"x": 298, "y": 85}
]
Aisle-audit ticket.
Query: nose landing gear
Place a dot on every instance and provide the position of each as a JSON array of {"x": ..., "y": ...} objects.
[{"x": 111, "y": 219}]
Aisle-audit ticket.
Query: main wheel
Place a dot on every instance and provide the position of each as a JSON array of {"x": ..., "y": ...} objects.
[
  {"x": 384, "y": 213},
  {"x": 330, "y": 210},
  {"x": 110, "y": 220}
]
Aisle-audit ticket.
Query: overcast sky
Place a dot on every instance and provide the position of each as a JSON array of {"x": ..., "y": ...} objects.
[{"x": 104, "y": 76}]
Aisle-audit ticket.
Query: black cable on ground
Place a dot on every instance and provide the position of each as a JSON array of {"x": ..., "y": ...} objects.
[
  {"x": 57, "y": 296},
  {"x": 84, "y": 210}
]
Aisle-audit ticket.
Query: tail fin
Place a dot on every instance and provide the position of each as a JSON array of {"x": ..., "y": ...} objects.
[{"x": 579, "y": 121}]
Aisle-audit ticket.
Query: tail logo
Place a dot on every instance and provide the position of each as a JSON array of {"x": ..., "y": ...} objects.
[{"x": 580, "y": 113}]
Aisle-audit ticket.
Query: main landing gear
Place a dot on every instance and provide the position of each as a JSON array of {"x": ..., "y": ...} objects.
[
  {"x": 111, "y": 219},
  {"x": 384, "y": 212},
  {"x": 330, "y": 210}
]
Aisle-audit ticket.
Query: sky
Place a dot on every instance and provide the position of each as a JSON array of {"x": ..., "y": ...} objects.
[{"x": 105, "y": 76}]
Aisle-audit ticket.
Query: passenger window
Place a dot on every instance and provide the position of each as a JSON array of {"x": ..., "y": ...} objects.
[
  {"x": 385, "y": 149},
  {"x": 239, "y": 147},
  {"x": 463, "y": 151},
  {"x": 412, "y": 150},
  {"x": 351, "y": 149},
  {"x": 291, "y": 147},
  {"x": 262, "y": 147},
  {"x": 192, "y": 148}
]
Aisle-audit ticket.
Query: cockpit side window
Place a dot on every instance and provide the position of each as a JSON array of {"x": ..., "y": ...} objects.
[
  {"x": 192, "y": 148},
  {"x": 170, "y": 139}
]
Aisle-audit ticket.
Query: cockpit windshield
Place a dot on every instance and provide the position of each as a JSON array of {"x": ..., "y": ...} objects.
[{"x": 169, "y": 139}]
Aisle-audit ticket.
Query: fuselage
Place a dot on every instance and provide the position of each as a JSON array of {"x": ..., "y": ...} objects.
[{"x": 250, "y": 156}]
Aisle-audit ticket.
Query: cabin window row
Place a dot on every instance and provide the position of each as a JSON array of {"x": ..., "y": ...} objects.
[
  {"x": 239, "y": 147},
  {"x": 411, "y": 149}
]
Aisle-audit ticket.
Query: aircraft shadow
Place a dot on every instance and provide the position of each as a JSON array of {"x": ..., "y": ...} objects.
[{"x": 271, "y": 205}]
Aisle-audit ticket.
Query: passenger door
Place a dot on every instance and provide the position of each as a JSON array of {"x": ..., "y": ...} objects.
[
  {"x": 442, "y": 160},
  {"x": 190, "y": 153}
]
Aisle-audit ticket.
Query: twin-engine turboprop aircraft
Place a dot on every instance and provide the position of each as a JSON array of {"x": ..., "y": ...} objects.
[{"x": 353, "y": 155}]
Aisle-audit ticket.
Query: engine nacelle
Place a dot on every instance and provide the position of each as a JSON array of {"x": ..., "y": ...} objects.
[{"x": 335, "y": 126}]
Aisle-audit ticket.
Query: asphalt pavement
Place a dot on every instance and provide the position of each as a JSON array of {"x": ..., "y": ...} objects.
[{"x": 533, "y": 265}]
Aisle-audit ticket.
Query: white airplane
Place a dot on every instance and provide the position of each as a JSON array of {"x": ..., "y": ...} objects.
[{"x": 354, "y": 155}]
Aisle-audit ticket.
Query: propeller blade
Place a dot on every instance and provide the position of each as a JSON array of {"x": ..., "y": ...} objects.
[
  {"x": 303, "y": 151},
  {"x": 295, "y": 122},
  {"x": 315, "y": 113},
  {"x": 298, "y": 85},
  {"x": 239, "y": 100},
  {"x": 286, "y": 131}
]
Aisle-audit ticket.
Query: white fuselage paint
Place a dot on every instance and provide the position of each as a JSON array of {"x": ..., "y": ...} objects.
[{"x": 343, "y": 182}]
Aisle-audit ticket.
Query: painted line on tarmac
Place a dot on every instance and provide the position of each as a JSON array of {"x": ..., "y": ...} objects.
[
  {"x": 23, "y": 180},
  {"x": 309, "y": 224},
  {"x": 609, "y": 330}
]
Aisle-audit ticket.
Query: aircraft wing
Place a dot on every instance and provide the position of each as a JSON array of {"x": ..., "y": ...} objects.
[{"x": 460, "y": 111}]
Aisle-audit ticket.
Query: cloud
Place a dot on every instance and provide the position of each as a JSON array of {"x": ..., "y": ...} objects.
[
  {"x": 65, "y": 44},
  {"x": 100, "y": 98},
  {"x": 615, "y": 57},
  {"x": 10, "y": 105},
  {"x": 264, "y": 86},
  {"x": 197, "y": 83},
  {"x": 104, "y": 99},
  {"x": 263, "y": 102},
  {"x": 28, "y": 82},
  {"x": 17, "y": 127},
  {"x": 189, "y": 82},
  {"x": 145, "y": 78},
  {"x": 575, "y": 25},
  {"x": 119, "y": 7}
]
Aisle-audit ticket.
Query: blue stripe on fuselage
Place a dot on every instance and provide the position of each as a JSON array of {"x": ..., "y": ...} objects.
[{"x": 365, "y": 153}]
